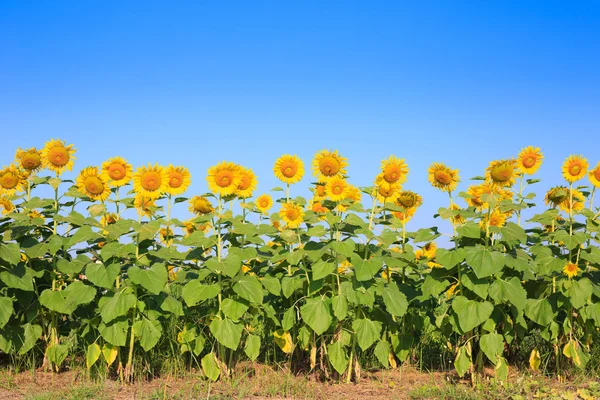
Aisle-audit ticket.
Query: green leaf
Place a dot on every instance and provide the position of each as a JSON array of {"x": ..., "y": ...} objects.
[
  {"x": 92, "y": 355},
  {"x": 6, "y": 310},
  {"x": 272, "y": 284},
  {"x": 510, "y": 291},
  {"x": 580, "y": 292},
  {"x": 109, "y": 353},
  {"x": 230, "y": 266},
  {"x": 478, "y": 286},
  {"x": 395, "y": 301},
  {"x": 484, "y": 262},
  {"x": 152, "y": 279},
  {"x": 10, "y": 252},
  {"x": 539, "y": 311},
  {"x": 252, "y": 347},
  {"x": 471, "y": 313},
  {"x": 337, "y": 356},
  {"x": 172, "y": 305},
  {"x": 101, "y": 275},
  {"x": 227, "y": 332},
  {"x": 114, "y": 332},
  {"x": 57, "y": 353},
  {"x": 31, "y": 334},
  {"x": 340, "y": 307},
  {"x": 365, "y": 270},
  {"x": 83, "y": 234},
  {"x": 492, "y": 345},
  {"x": 345, "y": 247},
  {"x": 19, "y": 277},
  {"x": 289, "y": 319},
  {"x": 249, "y": 288},
  {"x": 402, "y": 345},
  {"x": 210, "y": 367},
  {"x": 367, "y": 332},
  {"x": 114, "y": 305},
  {"x": 382, "y": 352},
  {"x": 449, "y": 258},
  {"x": 194, "y": 292},
  {"x": 512, "y": 232},
  {"x": 233, "y": 309},
  {"x": 316, "y": 313},
  {"x": 72, "y": 267},
  {"x": 462, "y": 362},
  {"x": 149, "y": 332},
  {"x": 289, "y": 284},
  {"x": 321, "y": 269},
  {"x": 66, "y": 301},
  {"x": 469, "y": 230}
]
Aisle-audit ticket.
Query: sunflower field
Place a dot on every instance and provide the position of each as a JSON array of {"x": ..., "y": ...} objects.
[{"x": 95, "y": 272}]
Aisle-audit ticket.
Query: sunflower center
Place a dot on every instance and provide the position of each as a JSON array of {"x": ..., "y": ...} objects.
[
  {"x": 151, "y": 181},
  {"x": 289, "y": 170},
  {"x": 575, "y": 169},
  {"x": 597, "y": 174},
  {"x": 391, "y": 174},
  {"x": 175, "y": 180},
  {"x": 320, "y": 190},
  {"x": 94, "y": 185},
  {"x": 292, "y": 214},
  {"x": 443, "y": 177},
  {"x": 224, "y": 178},
  {"x": 9, "y": 180},
  {"x": 244, "y": 183},
  {"x": 116, "y": 171},
  {"x": 407, "y": 201},
  {"x": 58, "y": 156},
  {"x": 31, "y": 161},
  {"x": 202, "y": 206},
  {"x": 329, "y": 166},
  {"x": 477, "y": 201},
  {"x": 384, "y": 192},
  {"x": 502, "y": 173},
  {"x": 337, "y": 189},
  {"x": 264, "y": 203},
  {"x": 529, "y": 162}
]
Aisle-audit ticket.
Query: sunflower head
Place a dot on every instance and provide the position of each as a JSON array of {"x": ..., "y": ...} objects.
[
  {"x": 224, "y": 178},
  {"x": 109, "y": 219},
  {"x": 144, "y": 205},
  {"x": 166, "y": 236},
  {"x": 557, "y": 195},
  {"x": 393, "y": 172},
  {"x": 320, "y": 191},
  {"x": 6, "y": 205},
  {"x": 289, "y": 169},
  {"x": 571, "y": 270},
  {"x": 292, "y": 214},
  {"x": 574, "y": 201},
  {"x": 329, "y": 164},
  {"x": 12, "y": 180},
  {"x": 496, "y": 218},
  {"x": 574, "y": 168},
  {"x": 458, "y": 219},
  {"x": 264, "y": 202},
  {"x": 29, "y": 159},
  {"x": 529, "y": 160},
  {"x": 407, "y": 199},
  {"x": 475, "y": 192},
  {"x": 501, "y": 173},
  {"x": 595, "y": 176},
  {"x": 150, "y": 181},
  {"x": 200, "y": 205},
  {"x": 92, "y": 184},
  {"x": 57, "y": 156},
  {"x": 178, "y": 180},
  {"x": 406, "y": 215},
  {"x": 387, "y": 194},
  {"x": 442, "y": 177},
  {"x": 247, "y": 183},
  {"x": 336, "y": 189},
  {"x": 429, "y": 250},
  {"x": 117, "y": 171}
]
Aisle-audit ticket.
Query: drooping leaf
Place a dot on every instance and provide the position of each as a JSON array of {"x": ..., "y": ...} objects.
[
  {"x": 471, "y": 313},
  {"x": 367, "y": 332},
  {"x": 210, "y": 367},
  {"x": 316, "y": 313},
  {"x": 227, "y": 332}
]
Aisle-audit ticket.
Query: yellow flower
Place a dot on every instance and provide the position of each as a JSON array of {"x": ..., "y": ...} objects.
[
  {"x": 408, "y": 199},
  {"x": 29, "y": 159},
  {"x": 344, "y": 267},
  {"x": 429, "y": 250},
  {"x": 317, "y": 207},
  {"x": 595, "y": 176},
  {"x": 353, "y": 194},
  {"x": 247, "y": 183},
  {"x": 246, "y": 268},
  {"x": 277, "y": 226},
  {"x": 117, "y": 172},
  {"x": 11, "y": 180},
  {"x": 144, "y": 205},
  {"x": 501, "y": 173},
  {"x": 264, "y": 202},
  {"x": 571, "y": 270},
  {"x": 458, "y": 219},
  {"x": 109, "y": 219},
  {"x": 443, "y": 177},
  {"x": 178, "y": 180},
  {"x": 574, "y": 168},
  {"x": 336, "y": 189},
  {"x": 200, "y": 205},
  {"x": 320, "y": 191},
  {"x": 150, "y": 181},
  {"x": 172, "y": 273},
  {"x": 386, "y": 194},
  {"x": 529, "y": 160},
  {"x": 452, "y": 290},
  {"x": 393, "y": 172},
  {"x": 166, "y": 236},
  {"x": 57, "y": 156},
  {"x": 386, "y": 273},
  {"x": 578, "y": 203},
  {"x": 433, "y": 264},
  {"x": 557, "y": 195},
  {"x": 496, "y": 218},
  {"x": 289, "y": 169},
  {"x": 189, "y": 227},
  {"x": 34, "y": 214},
  {"x": 7, "y": 205},
  {"x": 92, "y": 184},
  {"x": 224, "y": 178},
  {"x": 292, "y": 215},
  {"x": 329, "y": 164},
  {"x": 405, "y": 215}
]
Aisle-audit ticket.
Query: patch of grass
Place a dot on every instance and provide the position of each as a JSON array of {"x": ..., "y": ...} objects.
[
  {"x": 75, "y": 393},
  {"x": 453, "y": 392}
]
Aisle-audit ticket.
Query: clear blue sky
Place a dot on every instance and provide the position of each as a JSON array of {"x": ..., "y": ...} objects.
[{"x": 197, "y": 82}]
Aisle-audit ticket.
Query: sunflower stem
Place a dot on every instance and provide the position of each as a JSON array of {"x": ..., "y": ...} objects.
[
  {"x": 520, "y": 199},
  {"x": 287, "y": 193},
  {"x": 570, "y": 219}
]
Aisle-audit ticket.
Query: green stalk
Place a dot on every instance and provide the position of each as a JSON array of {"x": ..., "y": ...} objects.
[
  {"x": 350, "y": 363},
  {"x": 129, "y": 366}
]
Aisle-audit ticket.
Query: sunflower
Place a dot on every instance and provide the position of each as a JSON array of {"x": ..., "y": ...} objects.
[
  {"x": 247, "y": 183},
  {"x": 578, "y": 201},
  {"x": 458, "y": 218},
  {"x": 557, "y": 195},
  {"x": 150, "y": 181},
  {"x": 144, "y": 205},
  {"x": 529, "y": 160},
  {"x": 407, "y": 199},
  {"x": 345, "y": 267},
  {"x": 475, "y": 191},
  {"x": 393, "y": 172},
  {"x": 353, "y": 194},
  {"x": 109, "y": 219},
  {"x": 319, "y": 191},
  {"x": 178, "y": 179},
  {"x": 574, "y": 168},
  {"x": 405, "y": 215},
  {"x": 35, "y": 214},
  {"x": 29, "y": 159},
  {"x": 496, "y": 218},
  {"x": 443, "y": 177},
  {"x": 595, "y": 176},
  {"x": 289, "y": 169},
  {"x": 12, "y": 180},
  {"x": 200, "y": 205},
  {"x": 57, "y": 156},
  {"x": 501, "y": 173},
  {"x": 386, "y": 195},
  {"x": 264, "y": 202},
  {"x": 117, "y": 172},
  {"x": 571, "y": 270},
  {"x": 166, "y": 236},
  {"x": 6, "y": 205},
  {"x": 336, "y": 189},
  {"x": 224, "y": 178},
  {"x": 318, "y": 208},
  {"x": 329, "y": 164},
  {"x": 292, "y": 215},
  {"x": 428, "y": 251},
  {"x": 92, "y": 184},
  {"x": 452, "y": 290}
]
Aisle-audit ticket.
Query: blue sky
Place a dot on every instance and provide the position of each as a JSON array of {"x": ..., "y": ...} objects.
[{"x": 194, "y": 83}]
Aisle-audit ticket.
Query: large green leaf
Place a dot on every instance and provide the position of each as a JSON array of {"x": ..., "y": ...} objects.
[
  {"x": 210, "y": 367},
  {"x": 367, "y": 332},
  {"x": 66, "y": 301},
  {"x": 340, "y": 307},
  {"x": 249, "y": 288},
  {"x": 484, "y": 262},
  {"x": 462, "y": 362},
  {"x": 337, "y": 356},
  {"x": 509, "y": 291},
  {"x": 10, "y": 252},
  {"x": 272, "y": 284},
  {"x": 31, "y": 334},
  {"x": 19, "y": 277},
  {"x": 234, "y": 309},
  {"x": 152, "y": 279},
  {"x": 115, "y": 332},
  {"x": 382, "y": 352},
  {"x": 194, "y": 292},
  {"x": 316, "y": 313},
  {"x": 92, "y": 355},
  {"x": 57, "y": 353},
  {"x": 492, "y": 345},
  {"x": 252, "y": 347},
  {"x": 101, "y": 275},
  {"x": 148, "y": 331},
  {"x": 366, "y": 270},
  {"x": 539, "y": 311},
  {"x": 471, "y": 313},
  {"x": 580, "y": 292},
  {"x": 395, "y": 301},
  {"x": 321, "y": 269},
  {"x": 512, "y": 232},
  {"x": 6, "y": 310},
  {"x": 114, "y": 305},
  {"x": 229, "y": 266},
  {"x": 227, "y": 332}
]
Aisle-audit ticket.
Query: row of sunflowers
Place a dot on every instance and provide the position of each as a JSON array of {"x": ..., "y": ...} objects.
[{"x": 329, "y": 281}]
